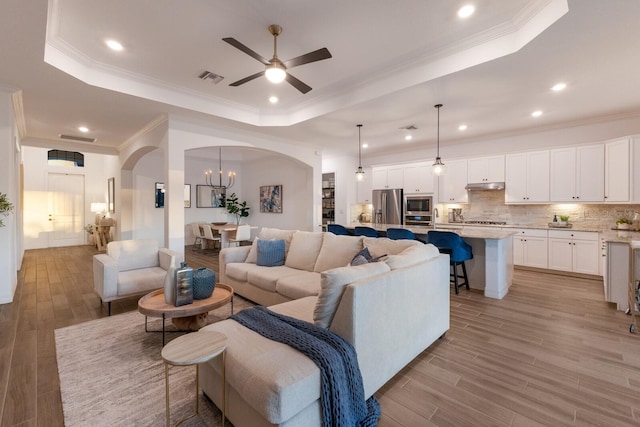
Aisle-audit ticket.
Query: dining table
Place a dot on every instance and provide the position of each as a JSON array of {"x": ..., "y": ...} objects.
[{"x": 226, "y": 230}]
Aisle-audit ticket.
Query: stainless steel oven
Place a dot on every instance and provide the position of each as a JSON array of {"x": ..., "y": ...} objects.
[{"x": 418, "y": 210}]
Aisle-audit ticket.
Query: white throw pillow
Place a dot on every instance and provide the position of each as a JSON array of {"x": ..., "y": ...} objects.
[
  {"x": 332, "y": 286},
  {"x": 337, "y": 251},
  {"x": 304, "y": 249},
  {"x": 252, "y": 256},
  {"x": 379, "y": 246},
  {"x": 412, "y": 255}
]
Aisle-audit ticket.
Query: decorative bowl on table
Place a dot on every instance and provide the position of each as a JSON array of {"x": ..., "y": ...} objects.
[
  {"x": 204, "y": 282},
  {"x": 219, "y": 223}
]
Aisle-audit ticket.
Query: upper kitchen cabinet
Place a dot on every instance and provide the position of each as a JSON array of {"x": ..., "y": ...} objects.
[
  {"x": 452, "y": 184},
  {"x": 527, "y": 177},
  {"x": 418, "y": 179},
  {"x": 616, "y": 171},
  {"x": 364, "y": 187},
  {"x": 577, "y": 174},
  {"x": 485, "y": 169},
  {"x": 388, "y": 177}
]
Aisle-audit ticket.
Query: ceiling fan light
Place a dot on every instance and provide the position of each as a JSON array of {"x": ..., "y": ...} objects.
[{"x": 275, "y": 74}]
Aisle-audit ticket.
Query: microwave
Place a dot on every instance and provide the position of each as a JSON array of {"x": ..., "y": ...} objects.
[{"x": 418, "y": 205}]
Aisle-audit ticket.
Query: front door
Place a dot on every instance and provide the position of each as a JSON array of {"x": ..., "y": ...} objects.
[{"x": 66, "y": 209}]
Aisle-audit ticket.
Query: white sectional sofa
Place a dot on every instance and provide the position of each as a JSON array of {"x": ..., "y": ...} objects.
[
  {"x": 390, "y": 311},
  {"x": 131, "y": 267}
]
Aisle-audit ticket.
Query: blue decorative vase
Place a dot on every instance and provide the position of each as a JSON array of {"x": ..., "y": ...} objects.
[{"x": 204, "y": 282}]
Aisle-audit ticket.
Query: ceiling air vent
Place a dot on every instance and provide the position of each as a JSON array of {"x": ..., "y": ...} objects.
[
  {"x": 77, "y": 138},
  {"x": 409, "y": 127},
  {"x": 208, "y": 75}
]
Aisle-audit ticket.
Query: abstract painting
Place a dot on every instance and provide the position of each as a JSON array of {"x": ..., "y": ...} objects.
[{"x": 271, "y": 199}]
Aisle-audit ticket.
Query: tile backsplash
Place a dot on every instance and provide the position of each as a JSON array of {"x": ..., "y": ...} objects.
[{"x": 489, "y": 205}]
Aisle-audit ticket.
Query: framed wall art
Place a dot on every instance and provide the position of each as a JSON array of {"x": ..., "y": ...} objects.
[
  {"x": 111, "y": 193},
  {"x": 208, "y": 196},
  {"x": 271, "y": 199}
]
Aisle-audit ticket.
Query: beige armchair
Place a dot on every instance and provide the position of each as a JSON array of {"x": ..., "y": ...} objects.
[{"x": 131, "y": 267}]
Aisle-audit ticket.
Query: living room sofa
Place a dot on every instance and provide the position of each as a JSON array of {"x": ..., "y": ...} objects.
[
  {"x": 390, "y": 311},
  {"x": 131, "y": 267}
]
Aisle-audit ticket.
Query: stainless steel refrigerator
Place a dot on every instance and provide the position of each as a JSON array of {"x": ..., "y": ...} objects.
[{"x": 388, "y": 206}]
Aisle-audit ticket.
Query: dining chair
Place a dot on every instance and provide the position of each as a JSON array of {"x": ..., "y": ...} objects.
[
  {"x": 459, "y": 251},
  {"x": 208, "y": 235},
  {"x": 243, "y": 234},
  {"x": 338, "y": 229},
  {"x": 198, "y": 234},
  {"x": 400, "y": 234},
  {"x": 365, "y": 231}
]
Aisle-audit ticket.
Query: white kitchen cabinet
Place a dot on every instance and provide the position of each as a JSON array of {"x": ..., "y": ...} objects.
[
  {"x": 388, "y": 177},
  {"x": 527, "y": 177},
  {"x": 418, "y": 179},
  {"x": 364, "y": 187},
  {"x": 616, "y": 171},
  {"x": 485, "y": 169},
  {"x": 530, "y": 248},
  {"x": 577, "y": 174},
  {"x": 452, "y": 184},
  {"x": 574, "y": 251}
]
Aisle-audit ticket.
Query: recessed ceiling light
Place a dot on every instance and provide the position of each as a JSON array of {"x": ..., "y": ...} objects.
[
  {"x": 408, "y": 137},
  {"x": 462, "y": 127},
  {"x": 536, "y": 113},
  {"x": 365, "y": 145},
  {"x": 273, "y": 99},
  {"x": 114, "y": 45},
  {"x": 558, "y": 87},
  {"x": 83, "y": 129},
  {"x": 466, "y": 11}
]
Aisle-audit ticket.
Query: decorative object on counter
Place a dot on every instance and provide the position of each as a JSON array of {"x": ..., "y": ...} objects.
[
  {"x": 204, "y": 282},
  {"x": 170, "y": 284},
  {"x": 183, "y": 285},
  {"x": 564, "y": 220},
  {"x": 555, "y": 218},
  {"x": 359, "y": 171},
  {"x": 438, "y": 166},
  {"x": 623, "y": 223},
  {"x": 270, "y": 199},
  {"x": 234, "y": 207},
  {"x": 560, "y": 224}
]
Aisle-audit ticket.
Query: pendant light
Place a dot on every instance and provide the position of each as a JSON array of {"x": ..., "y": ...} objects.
[
  {"x": 359, "y": 171},
  {"x": 438, "y": 166},
  {"x": 208, "y": 176}
]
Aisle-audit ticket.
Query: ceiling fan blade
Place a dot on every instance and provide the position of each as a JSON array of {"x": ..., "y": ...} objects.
[
  {"x": 316, "y": 55},
  {"x": 302, "y": 87},
  {"x": 235, "y": 43},
  {"x": 248, "y": 79}
]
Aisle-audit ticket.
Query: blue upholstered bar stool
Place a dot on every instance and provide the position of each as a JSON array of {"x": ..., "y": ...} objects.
[
  {"x": 400, "y": 234},
  {"x": 459, "y": 251},
  {"x": 365, "y": 231},
  {"x": 338, "y": 229}
]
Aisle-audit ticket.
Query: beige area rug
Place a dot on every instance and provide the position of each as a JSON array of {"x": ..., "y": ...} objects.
[{"x": 112, "y": 374}]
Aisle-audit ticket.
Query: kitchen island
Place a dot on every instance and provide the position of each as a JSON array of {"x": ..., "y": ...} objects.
[{"x": 490, "y": 270}]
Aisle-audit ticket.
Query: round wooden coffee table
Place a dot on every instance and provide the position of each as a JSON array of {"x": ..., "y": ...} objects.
[{"x": 153, "y": 305}]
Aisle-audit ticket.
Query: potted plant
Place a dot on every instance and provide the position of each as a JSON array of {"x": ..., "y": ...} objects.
[
  {"x": 234, "y": 207},
  {"x": 564, "y": 220},
  {"x": 623, "y": 223},
  {"x": 5, "y": 207}
]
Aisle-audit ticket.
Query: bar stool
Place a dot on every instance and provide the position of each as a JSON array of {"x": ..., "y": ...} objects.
[
  {"x": 338, "y": 229},
  {"x": 365, "y": 231},
  {"x": 459, "y": 251},
  {"x": 400, "y": 234}
]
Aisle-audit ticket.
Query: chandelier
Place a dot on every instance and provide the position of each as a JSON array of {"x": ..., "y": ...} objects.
[{"x": 208, "y": 175}]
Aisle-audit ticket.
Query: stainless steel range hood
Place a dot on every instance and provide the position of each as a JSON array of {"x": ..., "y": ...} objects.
[{"x": 480, "y": 186}]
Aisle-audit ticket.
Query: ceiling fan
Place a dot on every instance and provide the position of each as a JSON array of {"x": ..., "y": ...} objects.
[{"x": 275, "y": 69}]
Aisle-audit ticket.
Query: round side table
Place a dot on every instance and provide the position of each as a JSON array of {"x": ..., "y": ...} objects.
[{"x": 193, "y": 349}]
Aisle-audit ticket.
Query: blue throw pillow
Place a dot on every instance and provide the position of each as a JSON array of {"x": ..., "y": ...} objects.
[{"x": 270, "y": 253}]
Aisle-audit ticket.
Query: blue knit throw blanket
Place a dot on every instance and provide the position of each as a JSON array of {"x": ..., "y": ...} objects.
[{"x": 342, "y": 393}]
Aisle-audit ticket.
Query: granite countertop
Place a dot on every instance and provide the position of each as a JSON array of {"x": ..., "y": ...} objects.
[{"x": 488, "y": 233}]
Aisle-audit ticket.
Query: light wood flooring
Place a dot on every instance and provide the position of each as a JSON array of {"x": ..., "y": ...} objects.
[{"x": 551, "y": 353}]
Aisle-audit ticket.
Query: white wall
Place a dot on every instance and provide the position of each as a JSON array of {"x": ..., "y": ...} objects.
[
  {"x": 9, "y": 257},
  {"x": 97, "y": 169}
]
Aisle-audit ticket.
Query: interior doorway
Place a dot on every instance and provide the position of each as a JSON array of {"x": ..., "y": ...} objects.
[{"x": 66, "y": 209}]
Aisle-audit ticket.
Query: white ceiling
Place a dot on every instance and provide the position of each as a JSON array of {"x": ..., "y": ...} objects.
[{"x": 392, "y": 61}]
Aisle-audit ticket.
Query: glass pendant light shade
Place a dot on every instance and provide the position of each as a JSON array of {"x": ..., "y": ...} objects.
[
  {"x": 359, "y": 171},
  {"x": 438, "y": 167}
]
